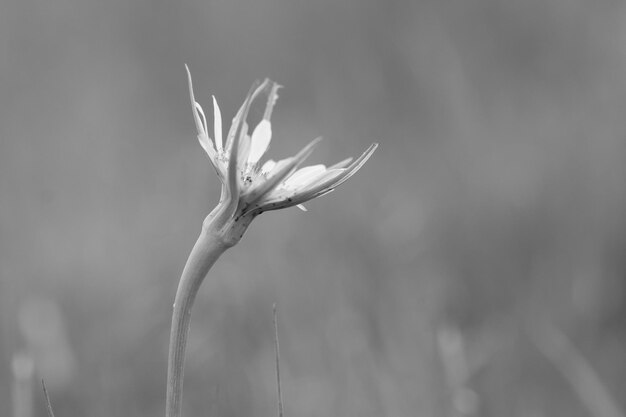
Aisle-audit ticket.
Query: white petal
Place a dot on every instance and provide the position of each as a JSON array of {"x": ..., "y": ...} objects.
[
  {"x": 304, "y": 175},
  {"x": 301, "y": 207},
  {"x": 282, "y": 169},
  {"x": 200, "y": 128},
  {"x": 244, "y": 150},
  {"x": 277, "y": 166},
  {"x": 203, "y": 138},
  {"x": 255, "y": 90},
  {"x": 207, "y": 145},
  {"x": 217, "y": 125},
  {"x": 318, "y": 185},
  {"x": 341, "y": 164},
  {"x": 261, "y": 138},
  {"x": 199, "y": 109},
  {"x": 268, "y": 166},
  {"x": 273, "y": 168},
  {"x": 356, "y": 165},
  {"x": 323, "y": 181}
]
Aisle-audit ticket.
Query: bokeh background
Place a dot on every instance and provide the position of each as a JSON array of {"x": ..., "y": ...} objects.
[{"x": 474, "y": 267}]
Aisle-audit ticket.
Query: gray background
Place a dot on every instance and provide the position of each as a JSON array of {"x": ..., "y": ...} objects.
[{"x": 431, "y": 284}]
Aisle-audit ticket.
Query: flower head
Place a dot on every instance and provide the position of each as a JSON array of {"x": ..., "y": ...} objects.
[{"x": 249, "y": 187}]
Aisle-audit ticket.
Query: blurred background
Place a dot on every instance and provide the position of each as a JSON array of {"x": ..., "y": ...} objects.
[{"x": 474, "y": 267}]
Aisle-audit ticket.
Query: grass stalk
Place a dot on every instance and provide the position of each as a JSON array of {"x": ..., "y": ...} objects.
[{"x": 277, "y": 351}]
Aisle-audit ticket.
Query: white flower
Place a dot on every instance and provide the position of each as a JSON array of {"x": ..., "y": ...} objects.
[{"x": 251, "y": 188}]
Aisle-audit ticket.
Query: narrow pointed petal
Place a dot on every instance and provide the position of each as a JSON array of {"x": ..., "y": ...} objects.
[
  {"x": 254, "y": 91},
  {"x": 200, "y": 123},
  {"x": 321, "y": 183},
  {"x": 238, "y": 117},
  {"x": 199, "y": 110},
  {"x": 196, "y": 117},
  {"x": 326, "y": 184},
  {"x": 262, "y": 134},
  {"x": 318, "y": 187},
  {"x": 203, "y": 137},
  {"x": 244, "y": 151},
  {"x": 217, "y": 125},
  {"x": 280, "y": 173},
  {"x": 213, "y": 157},
  {"x": 239, "y": 133},
  {"x": 329, "y": 183},
  {"x": 271, "y": 101},
  {"x": 287, "y": 197},
  {"x": 233, "y": 182},
  {"x": 260, "y": 141},
  {"x": 303, "y": 175},
  {"x": 356, "y": 165},
  {"x": 341, "y": 164},
  {"x": 313, "y": 185},
  {"x": 278, "y": 166},
  {"x": 207, "y": 146},
  {"x": 339, "y": 176},
  {"x": 268, "y": 166}
]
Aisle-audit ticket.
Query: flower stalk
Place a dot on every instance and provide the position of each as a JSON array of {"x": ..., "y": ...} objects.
[
  {"x": 203, "y": 255},
  {"x": 248, "y": 189}
]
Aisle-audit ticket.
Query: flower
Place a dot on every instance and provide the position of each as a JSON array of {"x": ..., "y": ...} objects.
[{"x": 250, "y": 188}]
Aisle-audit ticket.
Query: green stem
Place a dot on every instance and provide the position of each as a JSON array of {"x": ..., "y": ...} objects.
[{"x": 203, "y": 255}]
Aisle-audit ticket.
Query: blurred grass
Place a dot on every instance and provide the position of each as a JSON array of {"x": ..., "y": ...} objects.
[{"x": 496, "y": 199}]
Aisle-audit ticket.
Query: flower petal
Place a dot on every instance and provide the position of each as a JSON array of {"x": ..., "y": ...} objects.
[
  {"x": 244, "y": 150},
  {"x": 318, "y": 187},
  {"x": 203, "y": 137},
  {"x": 341, "y": 164},
  {"x": 217, "y": 125},
  {"x": 262, "y": 134},
  {"x": 199, "y": 110},
  {"x": 281, "y": 196},
  {"x": 356, "y": 165},
  {"x": 268, "y": 166},
  {"x": 254, "y": 91},
  {"x": 278, "y": 166},
  {"x": 207, "y": 146},
  {"x": 327, "y": 184},
  {"x": 302, "y": 176},
  {"x": 239, "y": 131},
  {"x": 194, "y": 105},
  {"x": 260, "y": 140},
  {"x": 281, "y": 172},
  {"x": 271, "y": 101}
]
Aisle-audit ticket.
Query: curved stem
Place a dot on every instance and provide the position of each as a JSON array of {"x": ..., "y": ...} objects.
[{"x": 203, "y": 255}]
